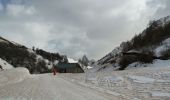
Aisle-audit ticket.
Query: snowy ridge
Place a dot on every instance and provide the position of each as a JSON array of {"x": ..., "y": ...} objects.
[
  {"x": 158, "y": 47},
  {"x": 111, "y": 56},
  {"x": 163, "y": 21}
]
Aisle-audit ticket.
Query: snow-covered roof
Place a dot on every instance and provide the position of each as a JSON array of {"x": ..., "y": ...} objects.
[{"x": 70, "y": 60}]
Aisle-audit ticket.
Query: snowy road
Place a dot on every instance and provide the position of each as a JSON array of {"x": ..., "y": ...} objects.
[{"x": 49, "y": 87}]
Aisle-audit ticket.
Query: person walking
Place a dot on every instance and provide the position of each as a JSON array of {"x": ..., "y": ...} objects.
[{"x": 54, "y": 71}]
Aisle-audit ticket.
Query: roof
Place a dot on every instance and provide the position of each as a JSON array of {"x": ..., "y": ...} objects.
[{"x": 67, "y": 65}]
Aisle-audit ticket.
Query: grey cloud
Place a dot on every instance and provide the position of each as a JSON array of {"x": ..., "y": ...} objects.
[
  {"x": 163, "y": 8},
  {"x": 78, "y": 27}
]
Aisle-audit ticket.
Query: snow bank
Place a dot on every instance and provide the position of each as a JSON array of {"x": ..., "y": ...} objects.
[
  {"x": 14, "y": 75},
  {"x": 5, "y": 65}
]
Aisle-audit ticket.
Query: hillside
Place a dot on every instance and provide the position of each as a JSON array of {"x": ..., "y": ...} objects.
[
  {"x": 153, "y": 43},
  {"x": 36, "y": 61}
]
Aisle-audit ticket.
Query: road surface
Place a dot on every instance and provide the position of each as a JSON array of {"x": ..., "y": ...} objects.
[{"x": 49, "y": 87}]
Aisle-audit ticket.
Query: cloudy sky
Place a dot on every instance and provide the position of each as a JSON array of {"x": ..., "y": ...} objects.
[{"x": 77, "y": 27}]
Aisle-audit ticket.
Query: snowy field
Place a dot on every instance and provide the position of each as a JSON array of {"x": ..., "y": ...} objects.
[{"x": 145, "y": 83}]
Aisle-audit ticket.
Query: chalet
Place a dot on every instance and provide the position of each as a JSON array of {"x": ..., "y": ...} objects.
[
  {"x": 68, "y": 65},
  {"x": 65, "y": 67}
]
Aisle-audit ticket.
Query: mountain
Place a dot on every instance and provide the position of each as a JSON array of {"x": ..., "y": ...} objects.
[
  {"x": 153, "y": 43},
  {"x": 36, "y": 61},
  {"x": 84, "y": 60}
]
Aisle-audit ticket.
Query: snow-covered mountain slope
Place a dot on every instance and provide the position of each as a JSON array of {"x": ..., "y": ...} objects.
[
  {"x": 163, "y": 21},
  {"x": 153, "y": 42},
  {"x": 35, "y": 60},
  {"x": 5, "y": 65},
  {"x": 113, "y": 55}
]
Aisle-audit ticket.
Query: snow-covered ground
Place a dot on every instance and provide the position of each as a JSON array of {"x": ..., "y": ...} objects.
[
  {"x": 5, "y": 65},
  {"x": 18, "y": 84},
  {"x": 144, "y": 83}
]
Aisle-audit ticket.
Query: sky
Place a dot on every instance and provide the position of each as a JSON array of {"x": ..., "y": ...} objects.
[{"x": 77, "y": 27}]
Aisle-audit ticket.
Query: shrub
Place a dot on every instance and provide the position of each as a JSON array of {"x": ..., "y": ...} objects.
[
  {"x": 165, "y": 54},
  {"x": 126, "y": 60}
]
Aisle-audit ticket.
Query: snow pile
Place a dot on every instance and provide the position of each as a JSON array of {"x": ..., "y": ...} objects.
[
  {"x": 5, "y": 65},
  {"x": 14, "y": 75}
]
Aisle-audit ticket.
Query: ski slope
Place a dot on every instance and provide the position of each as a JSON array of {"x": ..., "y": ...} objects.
[{"x": 46, "y": 87}]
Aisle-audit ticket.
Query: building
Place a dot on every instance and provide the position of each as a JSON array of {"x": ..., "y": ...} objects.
[{"x": 65, "y": 67}]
